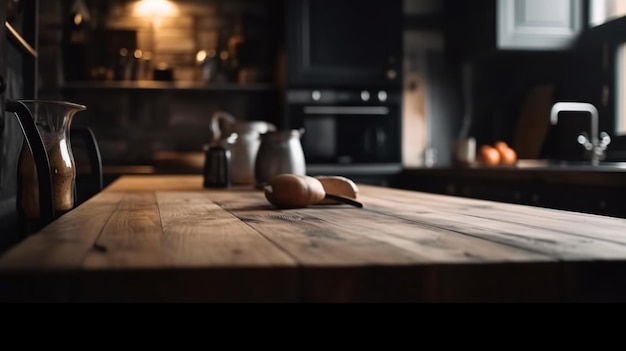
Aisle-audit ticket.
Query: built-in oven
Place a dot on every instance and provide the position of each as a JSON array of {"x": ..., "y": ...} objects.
[{"x": 352, "y": 127}]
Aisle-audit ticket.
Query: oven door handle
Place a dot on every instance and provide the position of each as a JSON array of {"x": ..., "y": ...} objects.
[{"x": 346, "y": 110}]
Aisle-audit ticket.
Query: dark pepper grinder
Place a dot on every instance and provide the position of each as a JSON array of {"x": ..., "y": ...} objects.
[{"x": 217, "y": 166}]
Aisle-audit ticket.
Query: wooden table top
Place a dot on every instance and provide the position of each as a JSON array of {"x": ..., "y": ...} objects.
[{"x": 165, "y": 238}]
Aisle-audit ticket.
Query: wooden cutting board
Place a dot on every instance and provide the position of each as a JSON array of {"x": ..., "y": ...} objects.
[{"x": 533, "y": 123}]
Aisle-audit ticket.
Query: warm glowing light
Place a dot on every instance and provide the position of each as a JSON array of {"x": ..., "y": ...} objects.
[
  {"x": 123, "y": 52},
  {"x": 138, "y": 54},
  {"x": 201, "y": 56},
  {"x": 78, "y": 19},
  {"x": 155, "y": 8}
]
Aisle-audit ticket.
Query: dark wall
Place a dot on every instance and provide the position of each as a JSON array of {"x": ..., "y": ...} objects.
[
  {"x": 500, "y": 85},
  {"x": 11, "y": 66},
  {"x": 131, "y": 125},
  {"x": 582, "y": 81},
  {"x": 502, "y": 79},
  {"x": 593, "y": 77}
]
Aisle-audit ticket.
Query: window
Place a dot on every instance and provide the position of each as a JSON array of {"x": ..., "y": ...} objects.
[{"x": 603, "y": 11}]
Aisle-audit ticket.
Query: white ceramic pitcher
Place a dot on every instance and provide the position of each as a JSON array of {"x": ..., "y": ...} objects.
[{"x": 242, "y": 138}]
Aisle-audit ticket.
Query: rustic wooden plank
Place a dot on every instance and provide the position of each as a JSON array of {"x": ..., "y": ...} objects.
[
  {"x": 206, "y": 234},
  {"x": 180, "y": 229},
  {"x": 132, "y": 237},
  {"x": 186, "y": 243},
  {"x": 503, "y": 282},
  {"x": 445, "y": 266},
  {"x": 306, "y": 237},
  {"x": 582, "y": 227},
  {"x": 179, "y": 246},
  {"x": 355, "y": 255},
  {"x": 460, "y": 203},
  {"x": 548, "y": 219},
  {"x": 157, "y": 183},
  {"x": 506, "y": 282},
  {"x": 557, "y": 244},
  {"x": 46, "y": 266},
  {"x": 64, "y": 244},
  {"x": 348, "y": 236},
  {"x": 578, "y": 226}
]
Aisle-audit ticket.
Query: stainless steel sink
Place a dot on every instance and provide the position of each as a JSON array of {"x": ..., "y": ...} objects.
[{"x": 571, "y": 165}]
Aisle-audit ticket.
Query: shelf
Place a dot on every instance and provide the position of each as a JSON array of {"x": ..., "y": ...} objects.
[{"x": 167, "y": 86}]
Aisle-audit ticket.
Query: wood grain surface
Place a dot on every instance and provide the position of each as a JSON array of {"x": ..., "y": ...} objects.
[{"x": 165, "y": 238}]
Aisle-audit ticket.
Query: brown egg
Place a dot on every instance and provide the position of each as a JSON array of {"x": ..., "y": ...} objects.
[{"x": 489, "y": 155}]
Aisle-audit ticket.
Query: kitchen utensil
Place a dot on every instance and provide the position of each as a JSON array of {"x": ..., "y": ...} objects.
[
  {"x": 53, "y": 120},
  {"x": 242, "y": 138},
  {"x": 217, "y": 167},
  {"x": 533, "y": 123},
  {"x": 465, "y": 151},
  {"x": 280, "y": 152},
  {"x": 339, "y": 186}
]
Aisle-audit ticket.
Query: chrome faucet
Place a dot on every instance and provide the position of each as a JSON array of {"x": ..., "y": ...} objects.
[{"x": 595, "y": 145}]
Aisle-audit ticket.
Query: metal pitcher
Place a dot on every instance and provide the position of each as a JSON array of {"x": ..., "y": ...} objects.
[
  {"x": 280, "y": 152},
  {"x": 242, "y": 138},
  {"x": 50, "y": 159}
]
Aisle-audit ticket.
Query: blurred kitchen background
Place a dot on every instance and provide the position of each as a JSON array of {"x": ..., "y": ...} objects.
[
  {"x": 153, "y": 72},
  {"x": 378, "y": 85}
]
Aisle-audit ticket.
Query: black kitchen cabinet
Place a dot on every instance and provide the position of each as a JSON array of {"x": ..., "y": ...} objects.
[
  {"x": 344, "y": 44},
  {"x": 589, "y": 192}
]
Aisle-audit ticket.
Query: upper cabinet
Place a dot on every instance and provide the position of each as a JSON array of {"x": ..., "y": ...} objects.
[
  {"x": 347, "y": 43},
  {"x": 538, "y": 24}
]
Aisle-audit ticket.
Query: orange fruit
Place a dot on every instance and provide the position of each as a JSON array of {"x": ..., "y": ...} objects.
[
  {"x": 500, "y": 145},
  {"x": 508, "y": 156},
  {"x": 489, "y": 155}
]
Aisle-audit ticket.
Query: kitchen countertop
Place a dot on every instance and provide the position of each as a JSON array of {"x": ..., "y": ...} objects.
[
  {"x": 555, "y": 173},
  {"x": 317, "y": 169},
  {"x": 165, "y": 238},
  {"x": 605, "y": 175},
  {"x": 575, "y": 173},
  {"x": 533, "y": 166}
]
